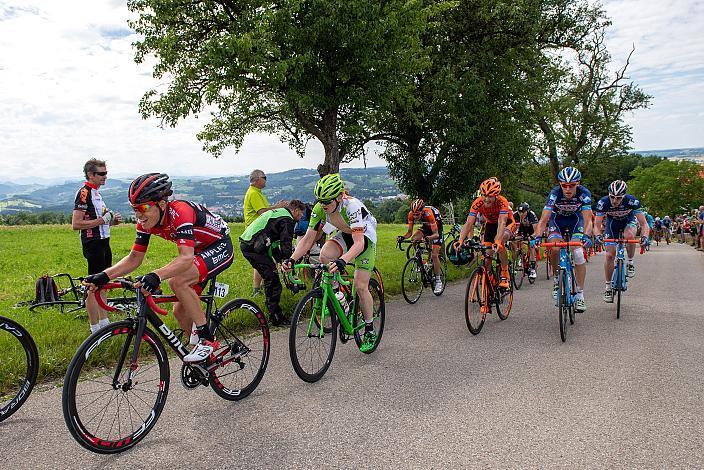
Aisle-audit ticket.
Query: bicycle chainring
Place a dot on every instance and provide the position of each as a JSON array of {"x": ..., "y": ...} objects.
[{"x": 192, "y": 377}]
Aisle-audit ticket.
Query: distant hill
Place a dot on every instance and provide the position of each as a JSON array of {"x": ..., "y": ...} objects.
[
  {"x": 696, "y": 153},
  {"x": 224, "y": 195}
]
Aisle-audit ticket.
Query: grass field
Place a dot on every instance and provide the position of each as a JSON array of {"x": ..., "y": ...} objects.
[{"x": 27, "y": 252}]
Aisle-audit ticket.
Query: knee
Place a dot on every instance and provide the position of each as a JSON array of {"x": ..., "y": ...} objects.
[{"x": 578, "y": 255}]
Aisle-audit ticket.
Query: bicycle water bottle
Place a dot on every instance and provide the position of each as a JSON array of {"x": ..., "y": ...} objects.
[{"x": 343, "y": 301}]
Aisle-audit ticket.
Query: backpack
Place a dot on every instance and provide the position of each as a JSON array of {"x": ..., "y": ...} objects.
[{"x": 46, "y": 290}]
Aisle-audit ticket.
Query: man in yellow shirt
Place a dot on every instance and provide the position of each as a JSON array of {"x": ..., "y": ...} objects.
[{"x": 255, "y": 204}]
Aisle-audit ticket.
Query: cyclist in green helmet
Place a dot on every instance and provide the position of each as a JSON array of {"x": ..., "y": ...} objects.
[{"x": 355, "y": 240}]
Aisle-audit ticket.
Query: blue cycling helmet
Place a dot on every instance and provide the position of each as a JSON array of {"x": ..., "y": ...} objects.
[{"x": 569, "y": 174}]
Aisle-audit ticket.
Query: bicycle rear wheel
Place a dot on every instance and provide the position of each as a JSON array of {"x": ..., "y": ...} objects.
[
  {"x": 243, "y": 354},
  {"x": 20, "y": 366},
  {"x": 312, "y": 338},
  {"x": 412, "y": 281},
  {"x": 379, "y": 315},
  {"x": 518, "y": 270},
  {"x": 103, "y": 411},
  {"x": 476, "y": 304},
  {"x": 504, "y": 301}
]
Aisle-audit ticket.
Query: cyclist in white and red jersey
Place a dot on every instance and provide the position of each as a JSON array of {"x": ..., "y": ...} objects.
[{"x": 204, "y": 250}]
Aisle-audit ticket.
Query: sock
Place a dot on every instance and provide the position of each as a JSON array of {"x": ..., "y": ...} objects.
[
  {"x": 629, "y": 261},
  {"x": 438, "y": 279},
  {"x": 607, "y": 285},
  {"x": 94, "y": 328},
  {"x": 103, "y": 322},
  {"x": 204, "y": 333},
  {"x": 580, "y": 294}
]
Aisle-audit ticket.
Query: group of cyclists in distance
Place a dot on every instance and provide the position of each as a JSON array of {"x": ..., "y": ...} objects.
[{"x": 348, "y": 229}]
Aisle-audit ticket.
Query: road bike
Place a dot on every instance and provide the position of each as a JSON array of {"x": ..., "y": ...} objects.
[
  {"x": 117, "y": 383},
  {"x": 71, "y": 294},
  {"x": 520, "y": 264},
  {"x": 20, "y": 366},
  {"x": 483, "y": 290},
  {"x": 619, "y": 279},
  {"x": 566, "y": 287},
  {"x": 419, "y": 272},
  {"x": 320, "y": 317}
]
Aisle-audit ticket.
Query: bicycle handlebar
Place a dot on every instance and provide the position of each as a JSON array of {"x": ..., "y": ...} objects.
[
  {"x": 322, "y": 267},
  {"x": 561, "y": 244},
  {"x": 125, "y": 284},
  {"x": 623, "y": 240}
]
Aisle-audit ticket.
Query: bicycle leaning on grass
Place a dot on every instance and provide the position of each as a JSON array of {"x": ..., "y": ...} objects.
[
  {"x": 118, "y": 381},
  {"x": 325, "y": 313}
]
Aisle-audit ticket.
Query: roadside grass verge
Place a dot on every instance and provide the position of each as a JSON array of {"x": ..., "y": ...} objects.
[{"x": 27, "y": 252}]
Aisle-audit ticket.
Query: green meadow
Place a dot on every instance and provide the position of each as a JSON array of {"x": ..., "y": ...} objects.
[{"x": 27, "y": 252}]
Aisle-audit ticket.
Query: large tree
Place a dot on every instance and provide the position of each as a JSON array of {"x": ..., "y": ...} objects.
[
  {"x": 298, "y": 69},
  {"x": 669, "y": 187}
]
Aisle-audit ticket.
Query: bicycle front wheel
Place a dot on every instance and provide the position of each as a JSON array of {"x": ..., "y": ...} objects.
[
  {"x": 618, "y": 285},
  {"x": 412, "y": 281},
  {"x": 378, "y": 315},
  {"x": 313, "y": 336},
  {"x": 476, "y": 304},
  {"x": 518, "y": 270},
  {"x": 20, "y": 366},
  {"x": 243, "y": 353},
  {"x": 106, "y": 411},
  {"x": 562, "y": 305}
]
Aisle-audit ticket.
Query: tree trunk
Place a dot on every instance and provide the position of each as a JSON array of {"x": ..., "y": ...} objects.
[
  {"x": 552, "y": 145},
  {"x": 331, "y": 144}
]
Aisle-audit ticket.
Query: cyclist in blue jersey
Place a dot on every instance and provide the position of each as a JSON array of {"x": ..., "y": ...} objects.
[
  {"x": 569, "y": 209},
  {"x": 667, "y": 228},
  {"x": 623, "y": 215}
]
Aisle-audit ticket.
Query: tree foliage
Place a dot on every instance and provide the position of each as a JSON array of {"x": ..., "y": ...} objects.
[
  {"x": 294, "y": 68},
  {"x": 669, "y": 187}
]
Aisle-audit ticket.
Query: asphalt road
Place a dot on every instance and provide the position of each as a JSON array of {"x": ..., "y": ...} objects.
[{"x": 625, "y": 393}]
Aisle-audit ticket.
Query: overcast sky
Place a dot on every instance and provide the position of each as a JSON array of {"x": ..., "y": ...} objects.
[{"x": 69, "y": 89}]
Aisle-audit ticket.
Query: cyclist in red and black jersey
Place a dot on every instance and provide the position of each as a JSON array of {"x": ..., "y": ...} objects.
[
  {"x": 431, "y": 230},
  {"x": 204, "y": 250}
]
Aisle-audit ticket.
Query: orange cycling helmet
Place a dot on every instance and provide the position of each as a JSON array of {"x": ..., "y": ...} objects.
[
  {"x": 490, "y": 187},
  {"x": 417, "y": 205}
]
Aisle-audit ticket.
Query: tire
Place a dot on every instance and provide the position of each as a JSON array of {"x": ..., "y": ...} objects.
[
  {"x": 62, "y": 305},
  {"x": 504, "y": 301},
  {"x": 562, "y": 306},
  {"x": 618, "y": 286},
  {"x": 547, "y": 264},
  {"x": 20, "y": 353},
  {"x": 410, "y": 252},
  {"x": 379, "y": 317},
  {"x": 135, "y": 415},
  {"x": 518, "y": 270},
  {"x": 475, "y": 297},
  {"x": 306, "y": 341},
  {"x": 412, "y": 281},
  {"x": 243, "y": 353}
]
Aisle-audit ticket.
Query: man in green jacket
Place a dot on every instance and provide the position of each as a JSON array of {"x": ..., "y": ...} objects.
[{"x": 276, "y": 225}]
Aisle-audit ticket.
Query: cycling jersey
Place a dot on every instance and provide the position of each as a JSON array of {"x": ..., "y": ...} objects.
[
  {"x": 530, "y": 219},
  {"x": 667, "y": 222},
  {"x": 561, "y": 205},
  {"x": 355, "y": 215},
  {"x": 626, "y": 210},
  {"x": 492, "y": 213},
  {"x": 186, "y": 223},
  {"x": 430, "y": 219},
  {"x": 89, "y": 201},
  {"x": 658, "y": 224}
]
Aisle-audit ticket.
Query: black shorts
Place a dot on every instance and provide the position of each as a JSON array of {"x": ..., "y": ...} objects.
[
  {"x": 490, "y": 230},
  {"x": 525, "y": 231},
  {"x": 98, "y": 254},
  {"x": 214, "y": 259}
]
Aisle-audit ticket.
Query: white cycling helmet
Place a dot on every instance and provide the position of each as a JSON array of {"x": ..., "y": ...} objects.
[
  {"x": 618, "y": 188},
  {"x": 569, "y": 174}
]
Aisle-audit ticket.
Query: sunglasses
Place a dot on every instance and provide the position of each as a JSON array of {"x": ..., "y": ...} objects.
[
  {"x": 100, "y": 173},
  {"x": 325, "y": 202},
  {"x": 143, "y": 207},
  {"x": 263, "y": 177},
  {"x": 568, "y": 185}
]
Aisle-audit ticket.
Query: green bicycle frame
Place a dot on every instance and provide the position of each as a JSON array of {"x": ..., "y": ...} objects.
[{"x": 329, "y": 295}]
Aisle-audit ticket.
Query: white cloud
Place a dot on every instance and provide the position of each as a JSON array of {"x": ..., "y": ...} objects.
[{"x": 69, "y": 90}]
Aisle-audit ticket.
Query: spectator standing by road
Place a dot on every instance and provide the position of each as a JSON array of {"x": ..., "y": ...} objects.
[
  {"x": 92, "y": 217},
  {"x": 275, "y": 227}
]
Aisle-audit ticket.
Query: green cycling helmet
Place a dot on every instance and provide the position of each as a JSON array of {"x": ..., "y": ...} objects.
[{"x": 329, "y": 187}]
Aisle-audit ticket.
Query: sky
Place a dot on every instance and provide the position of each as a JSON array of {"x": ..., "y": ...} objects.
[{"x": 69, "y": 89}]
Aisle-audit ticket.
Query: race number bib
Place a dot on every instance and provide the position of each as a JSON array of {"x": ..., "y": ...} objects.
[{"x": 221, "y": 289}]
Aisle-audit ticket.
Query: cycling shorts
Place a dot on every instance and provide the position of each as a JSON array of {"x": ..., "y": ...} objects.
[
  {"x": 366, "y": 259},
  {"x": 615, "y": 227},
  {"x": 98, "y": 254},
  {"x": 561, "y": 224},
  {"x": 427, "y": 232},
  {"x": 525, "y": 231},
  {"x": 214, "y": 259},
  {"x": 490, "y": 231}
]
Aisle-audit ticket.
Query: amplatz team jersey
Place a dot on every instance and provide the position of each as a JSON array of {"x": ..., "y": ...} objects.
[
  {"x": 89, "y": 200},
  {"x": 629, "y": 206},
  {"x": 186, "y": 223},
  {"x": 353, "y": 212},
  {"x": 561, "y": 205},
  {"x": 430, "y": 220},
  {"x": 492, "y": 213}
]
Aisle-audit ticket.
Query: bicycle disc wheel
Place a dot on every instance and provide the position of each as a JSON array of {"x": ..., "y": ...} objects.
[
  {"x": 20, "y": 366},
  {"x": 378, "y": 312},
  {"x": 103, "y": 413},
  {"x": 311, "y": 349},
  {"x": 243, "y": 352},
  {"x": 412, "y": 281},
  {"x": 562, "y": 305},
  {"x": 476, "y": 304},
  {"x": 504, "y": 302},
  {"x": 518, "y": 270}
]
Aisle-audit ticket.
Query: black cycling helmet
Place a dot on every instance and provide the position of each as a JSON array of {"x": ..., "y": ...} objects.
[
  {"x": 524, "y": 206},
  {"x": 150, "y": 187}
]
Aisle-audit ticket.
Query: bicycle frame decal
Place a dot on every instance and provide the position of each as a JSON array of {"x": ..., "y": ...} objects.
[
  {"x": 11, "y": 329},
  {"x": 171, "y": 338}
]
